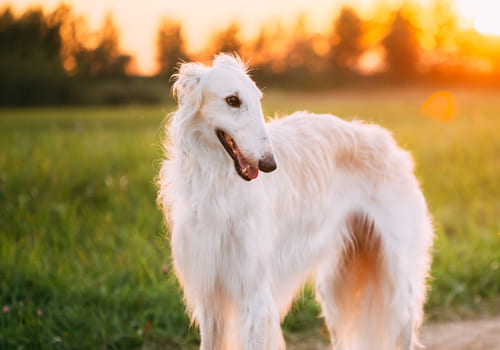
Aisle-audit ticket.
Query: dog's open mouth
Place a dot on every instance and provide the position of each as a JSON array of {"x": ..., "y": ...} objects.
[{"x": 243, "y": 167}]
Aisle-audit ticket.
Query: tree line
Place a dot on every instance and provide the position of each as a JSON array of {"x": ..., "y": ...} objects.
[
  {"x": 44, "y": 56},
  {"x": 53, "y": 58}
]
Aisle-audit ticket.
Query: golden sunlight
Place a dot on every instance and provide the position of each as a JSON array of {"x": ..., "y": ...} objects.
[
  {"x": 440, "y": 29},
  {"x": 482, "y": 13}
]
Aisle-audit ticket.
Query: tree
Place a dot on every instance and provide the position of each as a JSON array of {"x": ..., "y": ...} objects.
[
  {"x": 300, "y": 51},
  {"x": 345, "y": 41},
  {"x": 33, "y": 33},
  {"x": 105, "y": 59},
  {"x": 30, "y": 60},
  {"x": 270, "y": 49},
  {"x": 446, "y": 23},
  {"x": 228, "y": 39},
  {"x": 75, "y": 37},
  {"x": 169, "y": 46},
  {"x": 401, "y": 47}
]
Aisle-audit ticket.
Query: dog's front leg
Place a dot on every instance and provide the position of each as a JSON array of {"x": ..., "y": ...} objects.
[
  {"x": 260, "y": 323},
  {"x": 211, "y": 329}
]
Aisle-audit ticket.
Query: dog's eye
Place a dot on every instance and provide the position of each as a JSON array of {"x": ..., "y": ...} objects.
[{"x": 233, "y": 101}]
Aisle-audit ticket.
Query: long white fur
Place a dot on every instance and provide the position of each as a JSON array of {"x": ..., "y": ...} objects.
[{"x": 242, "y": 250}]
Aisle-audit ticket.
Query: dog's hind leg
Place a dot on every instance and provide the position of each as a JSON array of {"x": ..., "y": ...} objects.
[
  {"x": 405, "y": 308},
  {"x": 407, "y": 272},
  {"x": 281, "y": 340},
  {"x": 355, "y": 290},
  {"x": 400, "y": 311},
  {"x": 406, "y": 336},
  {"x": 327, "y": 297}
]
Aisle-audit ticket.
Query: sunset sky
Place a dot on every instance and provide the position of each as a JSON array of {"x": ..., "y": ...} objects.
[{"x": 138, "y": 20}]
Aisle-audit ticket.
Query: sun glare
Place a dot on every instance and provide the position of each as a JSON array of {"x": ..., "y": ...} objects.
[
  {"x": 442, "y": 106},
  {"x": 482, "y": 13}
]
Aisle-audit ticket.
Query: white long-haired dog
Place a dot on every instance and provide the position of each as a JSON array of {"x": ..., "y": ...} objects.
[{"x": 338, "y": 201}]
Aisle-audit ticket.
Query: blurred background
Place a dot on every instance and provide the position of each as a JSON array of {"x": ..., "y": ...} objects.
[
  {"x": 105, "y": 52},
  {"x": 84, "y": 93}
]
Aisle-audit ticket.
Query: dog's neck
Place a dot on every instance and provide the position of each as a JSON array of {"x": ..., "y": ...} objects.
[{"x": 198, "y": 150}]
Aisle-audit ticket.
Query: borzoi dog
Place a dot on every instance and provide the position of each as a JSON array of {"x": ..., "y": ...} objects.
[{"x": 256, "y": 208}]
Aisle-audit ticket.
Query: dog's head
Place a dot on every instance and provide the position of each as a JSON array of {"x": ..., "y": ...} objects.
[{"x": 227, "y": 103}]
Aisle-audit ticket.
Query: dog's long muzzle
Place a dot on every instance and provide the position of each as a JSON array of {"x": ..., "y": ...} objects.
[{"x": 267, "y": 163}]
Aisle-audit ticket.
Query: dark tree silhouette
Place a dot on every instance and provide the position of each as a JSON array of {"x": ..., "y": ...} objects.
[
  {"x": 105, "y": 60},
  {"x": 300, "y": 51},
  {"x": 270, "y": 49},
  {"x": 228, "y": 39},
  {"x": 30, "y": 62},
  {"x": 401, "y": 47},
  {"x": 345, "y": 41},
  {"x": 33, "y": 33},
  {"x": 170, "y": 47}
]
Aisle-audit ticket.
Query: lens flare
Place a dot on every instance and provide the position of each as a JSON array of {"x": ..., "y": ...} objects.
[{"x": 442, "y": 106}]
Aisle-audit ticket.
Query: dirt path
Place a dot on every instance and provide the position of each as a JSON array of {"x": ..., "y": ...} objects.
[{"x": 462, "y": 335}]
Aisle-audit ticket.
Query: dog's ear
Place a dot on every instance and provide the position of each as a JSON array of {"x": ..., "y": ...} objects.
[{"x": 187, "y": 84}]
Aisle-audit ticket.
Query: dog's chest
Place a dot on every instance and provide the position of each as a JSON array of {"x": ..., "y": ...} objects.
[{"x": 219, "y": 231}]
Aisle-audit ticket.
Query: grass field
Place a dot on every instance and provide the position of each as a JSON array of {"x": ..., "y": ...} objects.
[{"x": 83, "y": 261}]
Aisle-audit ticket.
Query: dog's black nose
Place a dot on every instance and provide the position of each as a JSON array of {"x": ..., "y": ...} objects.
[{"x": 267, "y": 163}]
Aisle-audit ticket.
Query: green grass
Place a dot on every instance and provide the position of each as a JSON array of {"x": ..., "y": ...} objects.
[{"x": 81, "y": 238}]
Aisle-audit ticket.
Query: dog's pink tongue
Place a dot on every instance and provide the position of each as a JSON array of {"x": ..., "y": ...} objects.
[
  {"x": 246, "y": 168},
  {"x": 252, "y": 172}
]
